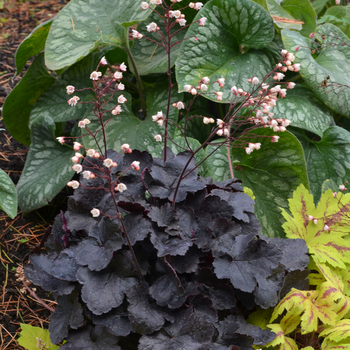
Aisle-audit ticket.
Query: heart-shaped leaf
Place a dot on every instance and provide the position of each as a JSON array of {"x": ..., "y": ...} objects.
[
  {"x": 47, "y": 168},
  {"x": 304, "y": 110},
  {"x": 25, "y": 94},
  {"x": 327, "y": 159},
  {"x": 83, "y": 25},
  {"x": 126, "y": 128},
  {"x": 215, "y": 49},
  {"x": 150, "y": 57},
  {"x": 33, "y": 44},
  {"x": 333, "y": 61},
  {"x": 53, "y": 102},
  {"x": 8, "y": 195},
  {"x": 273, "y": 173}
]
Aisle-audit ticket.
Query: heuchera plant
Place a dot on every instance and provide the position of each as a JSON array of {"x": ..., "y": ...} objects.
[{"x": 150, "y": 255}]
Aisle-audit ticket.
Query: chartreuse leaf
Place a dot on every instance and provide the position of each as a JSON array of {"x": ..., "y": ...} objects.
[
  {"x": 332, "y": 60},
  {"x": 47, "y": 168},
  {"x": 332, "y": 345},
  {"x": 284, "y": 343},
  {"x": 325, "y": 247},
  {"x": 301, "y": 10},
  {"x": 273, "y": 173},
  {"x": 8, "y": 195},
  {"x": 260, "y": 317},
  {"x": 83, "y": 25},
  {"x": 338, "y": 332},
  {"x": 33, "y": 44},
  {"x": 301, "y": 102},
  {"x": 25, "y": 94},
  {"x": 53, "y": 102},
  {"x": 126, "y": 128},
  {"x": 309, "y": 306},
  {"x": 31, "y": 336},
  {"x": 214, "y": 50},
  {"x": 327, "y": 158},
  {"x": 150, "y": 57}
]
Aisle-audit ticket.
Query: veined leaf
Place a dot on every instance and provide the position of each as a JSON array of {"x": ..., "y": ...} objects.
[
  {"x": 338, "y": 332},
  {"x": 8, "y": 195},
  {"x": 214, "y": 49},
  {"x": 325, "y": 247},
  {"x": 31, "y": 335},
  {"x": 284, "y": 343},
  {"x": 333, "y": 60},
  {"x": 83, "y": 25}
]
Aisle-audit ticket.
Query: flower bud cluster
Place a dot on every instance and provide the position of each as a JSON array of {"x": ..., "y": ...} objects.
[
  {"x": 287, "y": 59},
  {"x": 251, "y": 147},
  {"x": 158, "y": 118},
  {"x": 203, "y": 87}
]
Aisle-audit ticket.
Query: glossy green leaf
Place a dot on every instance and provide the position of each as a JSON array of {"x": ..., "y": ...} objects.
[
  {"x": 302, "y": 10},
  {"x": 216, "y": 166},
  {"x": 126, "y": 128},
  {"x": 8, "y": 195},
  {"x": 330, "y": 185},
  {"x": 333, "y": 61},
  {"x": 83, "y": 25},
  {"x": 277, "y": 10},
  {"x": 48, "y": 167},
  {"x": 25, "y": 94},
  {"x": 30, "y": 336},
  {"x": 215, "y": 49},
  {"x": 273, "y": 173},
  {"x": 327, "y": 158},
  {"x": 53, "y": 102},
  {"x": 304, "y": 110},
  {"x": 150, "y": 57},
  {"x": 32, "y": 45}
]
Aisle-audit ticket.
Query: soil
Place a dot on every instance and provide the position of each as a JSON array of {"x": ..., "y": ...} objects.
[{"x": 20, "y": 235}]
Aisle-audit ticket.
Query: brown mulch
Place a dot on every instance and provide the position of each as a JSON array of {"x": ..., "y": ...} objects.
[{"x": 20, "y": 235}]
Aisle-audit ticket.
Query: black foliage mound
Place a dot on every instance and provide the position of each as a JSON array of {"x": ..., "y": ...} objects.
[{"x": 204, "y": 263}]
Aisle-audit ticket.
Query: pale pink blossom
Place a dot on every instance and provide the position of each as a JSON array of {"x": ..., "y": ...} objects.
[
  {"x": 278, "y": 76},
  {"x": 118, "y": 75},
  {"x": 126, "y": 148},
  {"x": 70, "y": 89},
  {"x": 120, "y": 187},
  {"x": 77, "y": 168},
  {"x": 135, "y": 165},
  {"x": 181, "y": 21},
  {"x": 136, "y": 34},
  {"x": 152, "y": 27},
  {"x": 187, "y": 87},
  {"x": 108, "y": 162},
  {"x": 158, "y": 138},
  {"x": 274, "y": 138},
  {"x": 73, "y": 101},
  {"x": 122, "y": 99},
  {"x": 342, "y": 188},
  {"x": 90, "y": 152},
  {"x": 290, "y": 85},
  {"x": 83, "y": 123},
  {"x": 121, "y": 87},
  {"x": 95, "y": 212},
  {"x": 88, "y": 175},
  {"x": 155, "y": 2},
  {"x": 60, "y": 139},
  {"x": 248, "y": 150},
  {"x": 179, "y": 105},
  {"x": 205, "y": 80},
  {"x": 76, "y": 146},
  {"x": 194, "y": 91},
  {"x": 123, "y": 67},
  {"x": 202, "y": 21},
  {"x": 219, "y": 95},
  {"x": 144, "y": 5},
  {"x": 116, "y": 110},
  {"x": 204, "y": 87},
  {"x": 103, "y": 61},
  {"x": 95, "y": 75},
  {"x": 221, "y": 82},
  {"x": 74, "y": 184}
]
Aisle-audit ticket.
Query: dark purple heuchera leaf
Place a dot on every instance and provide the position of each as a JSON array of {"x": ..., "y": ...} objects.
[
  {"x": 137, "y": 227},
  {"x": 167, "y": 245},
  {"x": 217, "y": 208},
  {"x": 145, "y": 316},
  {"x": 165, "y": 217},
  {"x": 68, "y": 313},
  {"x": 187, "y": 263},
  {"x": 115, "y": 321},
  {"x": 97, "y": 251},
  {"x": 234, "y": 330},
  {"x": 250, "y": 259},
  {"x": 103, "y": 290},
  {"x": 39, "y": 272},
  {"x": 221, "y": 294},
  {"x": 88, "y": 338},
  {"x": 164, "y": 177},
  {"x": 295, "y": 279},
  {"x": 189, "y": 331},
  {"x": 239, "y": 201},
  {"x": 64, "y": 266}
]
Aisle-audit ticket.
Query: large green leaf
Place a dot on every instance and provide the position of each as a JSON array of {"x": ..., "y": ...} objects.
[
  {"x": 53, "y": 102},
  {"x": 8, "y": 195},
  {"x": 83, "y": 25},
  {"x": 305, "y": 110},
  {"x": 277, "y": 10},
  {"x": 20, "y": 101},
  {"x": 217, "y": 52},
  {"x": 126, "y": 128},
  {"x": 150, "y": 57},
  {"x": 32, "y": 45},
  {"x": 48, "y": 167},
  {"x": 302, "y": 10},
  {"x": 273, "y": 173},
  {"x": 327, "y": 159},
  {"x": 216, "y": 166},
  {"x": 333, "y": 61}
]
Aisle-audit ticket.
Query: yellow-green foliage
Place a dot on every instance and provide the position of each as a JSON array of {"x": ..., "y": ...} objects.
[{"x": 324, "y": 309}]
